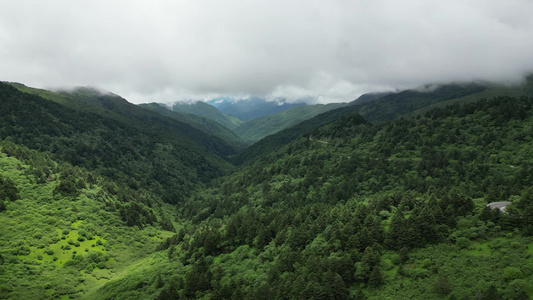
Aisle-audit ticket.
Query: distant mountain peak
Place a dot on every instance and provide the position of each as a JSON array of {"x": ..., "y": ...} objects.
[{"x": 251, "y": 107}]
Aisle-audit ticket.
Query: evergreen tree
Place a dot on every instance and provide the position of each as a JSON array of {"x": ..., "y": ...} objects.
[
  {"x": 376, "y": 278},
  {"x": 340, "y": 291},
  {"x": 491, "y": 294},
  {"x": 442, "y": 286},
  {"x": 2, "y": 205}
]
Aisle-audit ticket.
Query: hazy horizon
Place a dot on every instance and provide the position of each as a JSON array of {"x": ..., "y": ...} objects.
[{"x": 317, "y": 52}]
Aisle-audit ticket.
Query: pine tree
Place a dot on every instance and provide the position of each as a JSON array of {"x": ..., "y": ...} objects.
[
  {"x": 491, "y": 294},
  {"x": 396, "y": 236},
  {"x": 340, "y": 292},
  {"x": 442, "y": 286},
  {"x": 2, "y": 205},
  {"x": 376, "y": 278}
]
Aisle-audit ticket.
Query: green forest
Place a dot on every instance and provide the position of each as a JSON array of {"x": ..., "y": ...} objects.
[{"x": 102, "y": 199}]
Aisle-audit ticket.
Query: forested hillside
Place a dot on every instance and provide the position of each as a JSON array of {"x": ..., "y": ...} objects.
[
  {"x": 65, "y": 230},
  {"x": 101, "y": 199},
  {"x": 354, "y": 210},
  {"x": 207, "y": 125},
  {"x": 111, "y": 106},
  {"x": 138, "y": 150},
  {"x": 251, "y": 108},
  {"x": 258, "y": 128},
  {"x": 382, "y": 107},
  {"x": 202, "y": 109}
]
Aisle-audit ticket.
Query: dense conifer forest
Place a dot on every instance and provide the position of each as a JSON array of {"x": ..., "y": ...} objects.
[{"x": 118, "y": 202}]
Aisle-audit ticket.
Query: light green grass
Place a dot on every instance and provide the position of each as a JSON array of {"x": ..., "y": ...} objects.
[{"x": 42, "y": 220}]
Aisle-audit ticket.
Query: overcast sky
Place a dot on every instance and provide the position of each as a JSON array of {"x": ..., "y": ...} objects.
[{"x": 329, "y": 51}]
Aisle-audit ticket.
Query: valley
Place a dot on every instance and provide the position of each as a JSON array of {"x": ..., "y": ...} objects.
[{"x": 381, "y": 198}]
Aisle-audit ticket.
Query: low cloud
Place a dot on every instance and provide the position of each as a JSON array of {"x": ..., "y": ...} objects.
[{"x": 329, "y": 51}]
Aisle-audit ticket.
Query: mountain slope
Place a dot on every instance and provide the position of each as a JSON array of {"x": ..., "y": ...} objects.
[
  {"x": 395, "y": 210},
  {"x": 130, "y": 144},
  {"x": 66, "y": 231},
  {"x": 258, "y": 128},
  {"x": 109, "y": 105},
  {"x": 203, "y": 109},
  {"x": 248, "y": 109},
  {"x": 492, "y": 90},
  {"x": 369, "y": 97},
  {"x": 208, "y": 126},
  {"x": 380, "y": 108},
  {"x": 392, "y": 106}
]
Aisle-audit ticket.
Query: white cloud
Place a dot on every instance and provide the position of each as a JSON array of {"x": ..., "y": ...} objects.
[{"x": 313, "y": 50}]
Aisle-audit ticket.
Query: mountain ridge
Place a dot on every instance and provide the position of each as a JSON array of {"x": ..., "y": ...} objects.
[
  {"x": 251, "y": 108},
  {"x": 379, "y": 108},
  {"x": 203, "y": 109}
]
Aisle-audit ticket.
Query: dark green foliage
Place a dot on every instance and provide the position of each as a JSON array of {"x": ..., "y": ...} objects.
[
  {"x": 8, "y": 190},
  {"x": 334, "y": 202},
  {"x": 277, "y": 140},
  {"x": 384, "y": 107},
  {"x": 491, "y": 294},
  {"x": 198, "y": 279},
  {"x": 119, "y": 140},
  {"x": 404, "y": 254},
  {"x": 209, "y": 126},
  {"x": 442, "y": 286},
  {"x": 376, "y": 278},
  {"x": 389, "y": 211},
  {"x": 134, "y": 213}
]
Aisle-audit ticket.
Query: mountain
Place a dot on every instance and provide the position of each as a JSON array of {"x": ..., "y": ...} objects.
[
  {"x": 207, "y": 125},
  {"x": 122, "y": 141},
  {"x": 379, "y": 108},
  {"x": 254, "y": 107},
  {"x": 109, "y": 105},
  {"x": 370, "y": 97},
  {"x": 203, "y": 109},
  {"x": 67, "y": 231},
  {"x": 395, "y": 210},
  {"x": 258, "y": 128},
  {"x": 103, "y": 199}
]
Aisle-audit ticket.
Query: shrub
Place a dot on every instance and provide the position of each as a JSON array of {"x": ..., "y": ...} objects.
[
  {"x": 511, "y": 273},
  {"x": 442, "y": 286},
  {"x": 462, "y": 242},
  {"x": 24, "y": 250},
  {"x": 101, "y": 265}
]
